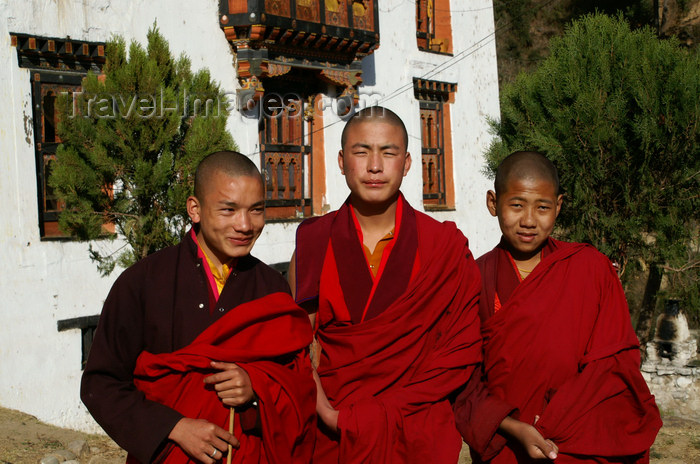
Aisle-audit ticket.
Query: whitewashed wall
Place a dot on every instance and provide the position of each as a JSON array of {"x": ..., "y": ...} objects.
[{"x": 44, "y": 282}]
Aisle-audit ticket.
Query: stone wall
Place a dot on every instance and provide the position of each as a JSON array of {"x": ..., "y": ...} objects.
[
  {"x": 675, "y": 385},
  {"x": 677, "y": 389}
]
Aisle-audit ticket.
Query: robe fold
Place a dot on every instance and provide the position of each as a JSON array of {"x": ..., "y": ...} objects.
[
  {"x": 266, "y": 337},
  {"x": 391, "y": 375},
  {"x": 562, "y": 347}
]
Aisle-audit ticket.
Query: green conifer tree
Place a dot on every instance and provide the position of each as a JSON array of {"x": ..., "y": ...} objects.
[
  {"x": 130, "y": 143},
  {"x": 618, "y": 112}
]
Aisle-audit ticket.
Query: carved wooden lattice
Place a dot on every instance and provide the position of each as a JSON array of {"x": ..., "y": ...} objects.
[
  {"x": 285, "y": 157},
  {"x": 432, "y": 153}
]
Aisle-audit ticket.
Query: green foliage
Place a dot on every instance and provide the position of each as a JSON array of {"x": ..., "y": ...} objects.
[
  {"x": 618, "y": 112},
  {"x": 525, "y": 27},
  {"x": 518, "y": 14},
  {"x": 130, "y": 144}
]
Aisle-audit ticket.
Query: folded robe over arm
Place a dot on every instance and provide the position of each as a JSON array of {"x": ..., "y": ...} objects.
[
  {"x": 390, "y": 375},
  {"x": 562, "y": 347},
  {"x": 257, "y": 336}
]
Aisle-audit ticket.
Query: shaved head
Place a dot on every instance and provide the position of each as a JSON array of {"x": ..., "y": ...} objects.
[
  {"x": 231, "y": 163},
  {"x": 525, "y": 165},
  {"x": 375, "y": 114}
]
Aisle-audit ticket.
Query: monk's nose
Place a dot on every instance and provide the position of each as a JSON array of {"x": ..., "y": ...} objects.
[
  {"x": 242, "y": 222},
  {"x": 374, "y": 162},
  {"x": 528, "y": 218}
]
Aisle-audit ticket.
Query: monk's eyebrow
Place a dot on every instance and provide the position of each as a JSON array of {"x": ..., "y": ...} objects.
[
  {"x": 232, "y": 204},
  {"x": 360, "y": 145},
  {"x": 388, "y": 146},
  {"x": 539, "y": 200}
]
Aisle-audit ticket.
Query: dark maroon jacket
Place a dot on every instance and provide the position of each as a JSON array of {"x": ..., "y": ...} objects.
[{"x": 160, "y": 305}]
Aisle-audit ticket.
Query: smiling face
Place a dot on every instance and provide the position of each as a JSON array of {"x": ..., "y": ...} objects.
[
  {"x": 231, "y": 215},
  {"x": 526, "y": 210},
  {"x": 374, "y": 161}
]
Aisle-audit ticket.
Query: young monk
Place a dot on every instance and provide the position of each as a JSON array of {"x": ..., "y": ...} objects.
[
  {"x": 558, "y": 342},
  {"x": 195, "y": 329},
  {"x": 393, "y": 298}
]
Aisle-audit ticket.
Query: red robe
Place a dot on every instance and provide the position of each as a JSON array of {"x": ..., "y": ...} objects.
[
  {"x": 562, "y": 347},
  {"x": 390, "y": 375},
  {"x": 268, "y": 338}
]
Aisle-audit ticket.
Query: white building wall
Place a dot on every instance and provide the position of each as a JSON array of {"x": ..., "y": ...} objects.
[
  {"x": 476, "y": 100},
  {"x": 42, "y": 282}
]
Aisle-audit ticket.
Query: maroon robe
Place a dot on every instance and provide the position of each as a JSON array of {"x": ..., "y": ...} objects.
[
  {"x": 256, "y": 335},
  {"x": 562, "y": 347},
  {"x": 391, "y": 375},
  {"x": 160, "y": 304}
]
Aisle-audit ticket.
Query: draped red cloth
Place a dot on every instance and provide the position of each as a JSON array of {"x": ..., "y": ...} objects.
[
  {"x": 390, "y": 376},
  {"x": 268, "y": 338},
  {"x": 562, "y": 347}
]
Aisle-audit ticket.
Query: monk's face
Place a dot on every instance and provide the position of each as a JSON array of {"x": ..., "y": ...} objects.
[
  {"x": 231, "y": 216},
  {"x": 526, "y": 211},
  {"x": 374, "y": 161}
]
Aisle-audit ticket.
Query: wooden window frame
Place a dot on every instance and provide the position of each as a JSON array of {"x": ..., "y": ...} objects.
[
  {"x": 433, "y": 152},
  {"x": 45, "y": 151},
  {"x": 434, "y": 26},
  {"x": 434, "y": 98},
  {"x": 286, "y": 156}
]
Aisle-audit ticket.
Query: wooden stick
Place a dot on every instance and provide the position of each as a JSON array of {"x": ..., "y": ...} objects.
[{"x": 231, "y": 419}]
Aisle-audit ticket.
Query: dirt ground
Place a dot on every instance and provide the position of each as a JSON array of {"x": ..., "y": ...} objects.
[{"x": 24, "y": 440}]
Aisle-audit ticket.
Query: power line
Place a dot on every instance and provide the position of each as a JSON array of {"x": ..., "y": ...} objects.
[
  {"x": 460, "y": 56},
  {"x": 469, "y": 51}
]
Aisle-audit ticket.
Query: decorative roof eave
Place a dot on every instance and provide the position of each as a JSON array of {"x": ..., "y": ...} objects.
[
  {"x": 64, "y": 54},
  {"x": 271, "y": 39},
  {"x": 341, "y": 49},
  {"x": 254, "y": 65},
  {"x": 425, "y": 89}
]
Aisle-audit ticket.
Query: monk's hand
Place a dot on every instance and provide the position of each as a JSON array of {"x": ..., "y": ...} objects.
[
  {"x": 528, "y": 436},
  {"x": 202, "y": 440},
  {"x": 325, "y": 410},
  {"x": 232, "y": 384}
]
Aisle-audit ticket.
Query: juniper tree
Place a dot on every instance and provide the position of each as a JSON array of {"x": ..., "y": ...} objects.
[
  {"x": 617, "y": 111},
  {"x": 130, "y": 143}
]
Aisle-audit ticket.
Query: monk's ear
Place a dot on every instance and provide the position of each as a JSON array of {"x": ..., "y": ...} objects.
[
  {"x": 491, "y": 202},
  {"x": 194, "y": 209},
  {"x": 341, "y": 162},
  {"x": 407, "y": 164},
  {"x": 560, "y": 200}
]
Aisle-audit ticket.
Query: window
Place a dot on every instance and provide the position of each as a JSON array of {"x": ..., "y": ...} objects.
[
  {"x": 432, "y": 154},
  {"x": 433, "y": 26},
  {"x": 56, "y": 66},
  {"x": 46, "y": 87},
  {"x": 436, "y": 144},
  {"x": 285, "y": 155}
]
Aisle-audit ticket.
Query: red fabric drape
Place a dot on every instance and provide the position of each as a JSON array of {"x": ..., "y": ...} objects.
[
  {"x": 390, "y": 376},
  {"x": 562, "y": 347},
  {"x": 257, "y": 336}
]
